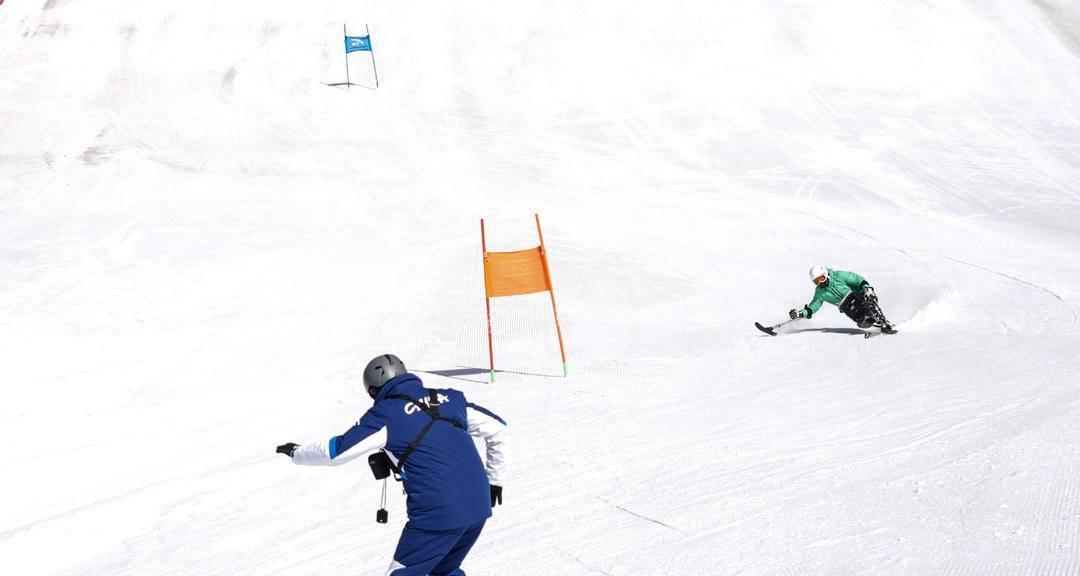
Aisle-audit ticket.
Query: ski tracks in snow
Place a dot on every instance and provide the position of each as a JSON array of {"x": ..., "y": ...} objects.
[{"x": 1031, "y": 285}]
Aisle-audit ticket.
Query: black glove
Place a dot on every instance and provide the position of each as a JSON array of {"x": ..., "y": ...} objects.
[
  {"x": 288, "y": 449},
  {"x": 870, "y": 292},
  {"x": 793, "y": 313},
  {"x": 496, "y": 495}
]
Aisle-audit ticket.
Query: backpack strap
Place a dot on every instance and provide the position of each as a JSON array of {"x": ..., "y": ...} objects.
[{"x": 432, "y": 410}]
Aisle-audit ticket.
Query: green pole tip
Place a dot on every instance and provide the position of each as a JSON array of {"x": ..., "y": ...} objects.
[
  {"x": 564, "y": 370},
  {"x": 492, "y": 376}
]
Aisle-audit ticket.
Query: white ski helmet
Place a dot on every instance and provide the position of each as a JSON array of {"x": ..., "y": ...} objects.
[{"x": 819, "y": 271}]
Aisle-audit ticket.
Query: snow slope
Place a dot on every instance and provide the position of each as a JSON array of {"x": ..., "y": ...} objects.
[{"x": 201, "y": 245}]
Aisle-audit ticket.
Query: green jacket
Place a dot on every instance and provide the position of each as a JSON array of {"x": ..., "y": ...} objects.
[{"x": 840, "y": 284}]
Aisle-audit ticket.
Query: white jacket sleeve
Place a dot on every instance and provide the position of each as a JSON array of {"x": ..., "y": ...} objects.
[
  {"x": 318, "y": 454},
  {"x": 493, "y": 431}
]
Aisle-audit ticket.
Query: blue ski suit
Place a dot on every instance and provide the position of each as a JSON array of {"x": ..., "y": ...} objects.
[{"x": 446, "y": 482}]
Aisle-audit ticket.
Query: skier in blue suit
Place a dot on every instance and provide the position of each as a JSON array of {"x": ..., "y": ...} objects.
[{"x": 427, "y": 436}]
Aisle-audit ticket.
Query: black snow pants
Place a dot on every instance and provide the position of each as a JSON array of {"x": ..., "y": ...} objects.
[{"x": 856, "y": 307}]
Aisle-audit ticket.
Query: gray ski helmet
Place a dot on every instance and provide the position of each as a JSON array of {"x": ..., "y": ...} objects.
[{"x": 380, "y": 370}]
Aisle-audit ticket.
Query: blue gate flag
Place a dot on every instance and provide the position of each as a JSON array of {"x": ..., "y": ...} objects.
[{"x": 357, "y": 44}]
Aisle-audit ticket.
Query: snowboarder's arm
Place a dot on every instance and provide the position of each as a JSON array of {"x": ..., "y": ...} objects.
[
  {"x": 485, "y": 424},
  {"x": 366, "y": 436}
]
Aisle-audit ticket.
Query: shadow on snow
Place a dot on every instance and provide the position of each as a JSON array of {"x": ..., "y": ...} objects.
[{"x": 460, "y": 373}]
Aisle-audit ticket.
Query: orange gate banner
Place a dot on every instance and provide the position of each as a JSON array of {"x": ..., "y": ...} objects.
[{"x": 515, "y": 273}]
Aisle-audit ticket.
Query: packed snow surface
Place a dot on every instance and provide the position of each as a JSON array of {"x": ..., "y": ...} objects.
[{"x": 204, "y": 237}]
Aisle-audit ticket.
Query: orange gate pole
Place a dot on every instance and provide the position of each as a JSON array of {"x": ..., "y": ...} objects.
[
  {"x": 487, "y": 301},
  {"x": 551, "y": 292}
]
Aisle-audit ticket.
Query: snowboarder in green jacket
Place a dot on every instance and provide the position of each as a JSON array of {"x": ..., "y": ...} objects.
[{"x": 851, "y": 292}]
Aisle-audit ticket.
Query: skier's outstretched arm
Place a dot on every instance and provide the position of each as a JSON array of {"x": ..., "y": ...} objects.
[
  {"x": 364, "y": 437},
  {"x": 327, "y": 452},
  {"x": 810, "y": 309},
  {"x": 485, "y": 424}
]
